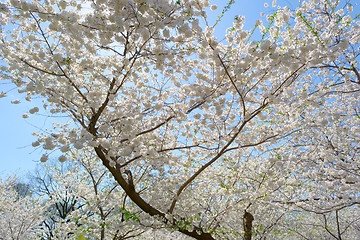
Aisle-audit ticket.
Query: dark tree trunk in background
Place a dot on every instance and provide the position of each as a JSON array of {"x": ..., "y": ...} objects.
[{"x": 248, "y": 219}]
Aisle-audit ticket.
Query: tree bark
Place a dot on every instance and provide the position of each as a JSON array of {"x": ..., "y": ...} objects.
[
  {"x": 248, "y": 219},
  {"x": 129, "y": 188}
]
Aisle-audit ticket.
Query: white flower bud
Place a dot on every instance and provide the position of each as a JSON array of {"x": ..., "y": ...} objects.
[
  {"x": 78, "y": 145},
  {"x": 44, "y": 158},
  {"x": 213, "y": 7},
  {"x": 65, "y": 148},
  {"x": 34, "y": 110},
  {"x": 3, "y": 94},
  {"x": 62, "y": 158}
]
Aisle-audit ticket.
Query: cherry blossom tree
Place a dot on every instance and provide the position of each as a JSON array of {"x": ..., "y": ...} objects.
[
  {"x": 20, "y": 216},
  {"x": 209, "y": 137},
  {"x": 84, "y": 201},
  {"x": 61, "y": 201},
  {"x": 338, "y": 224}
]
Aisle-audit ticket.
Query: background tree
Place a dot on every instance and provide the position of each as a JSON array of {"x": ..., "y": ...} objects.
[
  {"x": 338, "y": 224},
  {"x": 62, "y": 201},
  {"x": 84, "y": 201},
  {"x": 23, "y": 189},
  {"x": 20, "y": 216}
]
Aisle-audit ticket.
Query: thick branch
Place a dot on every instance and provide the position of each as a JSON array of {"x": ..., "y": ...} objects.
[
  {"x": 248, "y": 219},
  {"x": 197, "y": 233},
  {"x": 223, "y": 150}
]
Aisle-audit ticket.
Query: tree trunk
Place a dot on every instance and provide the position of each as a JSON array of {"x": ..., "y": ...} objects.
[
  {"x": 129, "y": 188},
  {"x": 248, "y": 219}
]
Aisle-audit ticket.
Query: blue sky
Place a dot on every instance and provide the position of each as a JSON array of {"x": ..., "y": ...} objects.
[{"x": 19, "y": 157}]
